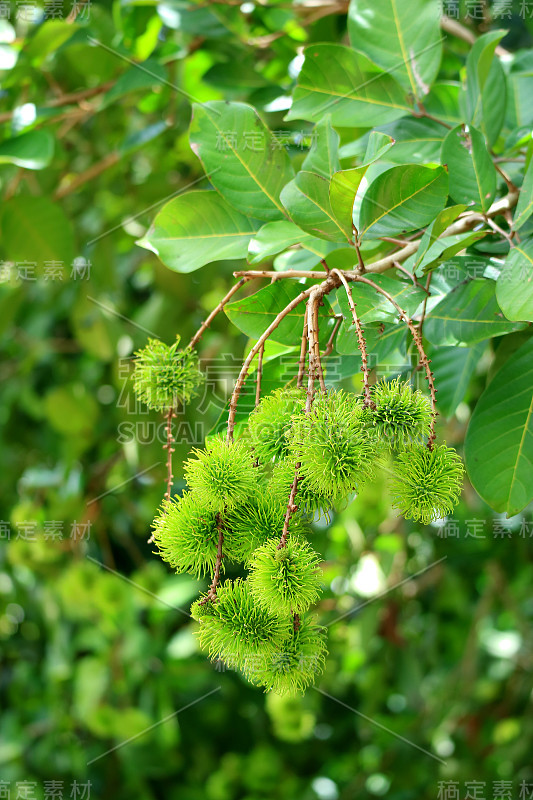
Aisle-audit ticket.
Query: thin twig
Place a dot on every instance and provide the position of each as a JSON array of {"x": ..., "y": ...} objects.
[
  {"x": 303, "y": 351},
  {"x": 329, "y": 347},
  {"x": 212, "y": 593},
  {"x": 205, "y": 325},
  {"x": 84, "y": 177},
  {"x": 316, "y": 347},
  {"x": 259, "y": 375},
  {"x": 168, "y": 447},
  {"x": 360, "y": 340}
]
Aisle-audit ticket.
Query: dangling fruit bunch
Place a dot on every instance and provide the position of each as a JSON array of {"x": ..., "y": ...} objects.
[{"x": 249, "y": 502}]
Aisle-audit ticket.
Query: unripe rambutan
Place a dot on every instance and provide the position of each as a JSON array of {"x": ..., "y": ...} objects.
[
  {"x": 427, "y": 483},
  {"x": 401, "y": 416},
  {"x": 165, "y": 376},
  {"x": 271, "y": 421},
  {"x": 285, "y": 579},
  {"x": 222, "y": 475}
]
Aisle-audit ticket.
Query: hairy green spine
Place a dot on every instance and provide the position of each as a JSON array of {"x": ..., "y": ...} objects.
[
  {"x": 271, "y": 421},
  {"x": 222, "y": 475},
  {"x": 285, "y": 579},
  {"x": 333, "y": 442},
  {"x": 165, "y": 376},
  {"x": 402, "y": 416},
  {"x": 237, "y": 630},
  {"x": 295, "y": 666},
  {"x": 427, "y": 483}
]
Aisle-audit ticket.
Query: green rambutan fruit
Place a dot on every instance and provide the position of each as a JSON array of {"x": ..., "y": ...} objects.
[
  {"x": 427, "y": 483},
  {"x": 186, "y": 533},
  {"x": 401, "y": 416},
  {"x": 295, "y": 665},
  {"x": 166, "y": 376},
  {"x": 285, "y": 580},
  {"x": 333, "y": 442},
  {"x": 222, "y": 475},
  {"x": 308, "y": 500},
  {"x": 271, "y": 421},
  {"x": 260, "y": 518},
  {"x": 235, "y": 628}
]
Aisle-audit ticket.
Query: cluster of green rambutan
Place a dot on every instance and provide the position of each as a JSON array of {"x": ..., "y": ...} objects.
[{"x": 238, "y": 508}]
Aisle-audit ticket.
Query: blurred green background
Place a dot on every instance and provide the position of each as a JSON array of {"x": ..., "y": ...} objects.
[{"x": 428, "y": 687}]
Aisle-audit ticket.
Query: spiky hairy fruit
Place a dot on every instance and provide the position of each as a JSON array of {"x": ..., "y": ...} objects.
[
  {"x": 271, "y": 421},
  {"x": 235, "y": 628},
  {"x": 308, "y": 500},
  {"x": 285, "y": 579},
  {"x": 401, "y": 417},
  {"x": 335, "y": 446},
  {"x": 258, "y": 520},
  {"x": 165, "y": 376},
  {"x": 295, "y": 665},
  {"x": 186, "y": 534},
  {"x": 427, "y": 483},
  {"x": 222, "y": 475}
]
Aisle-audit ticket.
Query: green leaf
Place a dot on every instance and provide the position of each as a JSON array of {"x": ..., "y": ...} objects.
[
  {"x": 197, "y": 228},
  {"x": 514, "y": 288},
  {"x": 381, "y": 340},
  {"x": 240, "y": 157},
  {"x": 33, "y": 150},
  {"x": 436, "y": 229},
  {"x": 253, "y": 314},
  {"x": 499, "y": 440},
  {"x": 336, "y": 80},
  {"x": 468, "y": 314},
  {"x": 371, "y": 306},
  {"x": 472, "y": 173},
  {"x": 401, "y": 37},
  {"x": 306, "y": 199},
  {"x": 415, "y": 140},
  {"x": 273, "y": 237},
  {"x": 453, "y": 368},
  {"x": 36, "y": 230},
  {"x": 323, "y": 157},
  {"x": 524, "y": 207},
  {"x": 345, "y": 183},
  {"x": 446, "y": 247},
  {"x": 402, "y": 199},
  {"x": 485, "y": 97}
]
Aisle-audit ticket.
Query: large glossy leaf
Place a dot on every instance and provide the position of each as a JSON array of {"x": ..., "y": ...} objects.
[
  {"x": 253, "y": 314},
  {"x": 33, "y": 150},
  {"x": 198, "y": 228},
  {"x": 241, "y": 158},
  {"x": 415, "y": 141},
  {"x": 323, "y": 157},
  {"x": 306, "y": 199},
  {"x": 485, "y": 97},
  {"x": 514, "y": 289},
  {"x": 381, "y": 340},
  {"x": 453, "y": 368},
  {"x": 472, "y": 173},
  {"x": 524, "y": 207},
  {"x": 345, "y": 183},
  {"x": 401, "y": 37},
  {"x": 402, "y": 199},
  {"x": 499, "y": 440},
  {"x": 273, "y": 237},
  {"x": 468, "y": 314},
  {"x": 337, "y": 81}
]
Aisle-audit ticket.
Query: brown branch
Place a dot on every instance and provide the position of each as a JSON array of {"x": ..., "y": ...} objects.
[
  {"x": 67, "y": 99},
  {"x": 303, "y": 351},
  {"x": 92, "y": 172},
  {"x": 329, "y": 346},
  {"x": 212, "y": 593},
  {"x": 316, "y": 346},
  {"x": 259, "y": 375},
  {"x": 253, "y": 352},
  {"x": 360, "y": 340},
  {"x": 203, "y": 327},
  {"x": 168, "y": 447}
]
